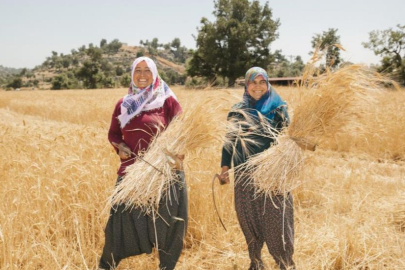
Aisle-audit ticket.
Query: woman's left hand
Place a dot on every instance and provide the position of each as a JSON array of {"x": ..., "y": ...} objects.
[
  {"x": 123, "y": 151},
  {"x": 224, "y": 176}
]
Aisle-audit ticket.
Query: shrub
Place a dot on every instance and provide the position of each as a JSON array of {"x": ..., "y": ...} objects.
[
  {"x": 60, "y": 82},
  {"x": 16, "y": 82},
  {"x": 125, "y": 80}
]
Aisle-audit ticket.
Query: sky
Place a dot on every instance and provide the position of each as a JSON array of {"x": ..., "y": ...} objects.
[{"x": 31, "y": 30}]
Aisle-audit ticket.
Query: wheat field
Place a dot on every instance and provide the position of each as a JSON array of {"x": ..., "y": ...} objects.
[{"x": 57, "y": 170}]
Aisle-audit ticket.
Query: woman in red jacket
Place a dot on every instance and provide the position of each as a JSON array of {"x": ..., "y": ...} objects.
[{"x": 134, "y": 123}]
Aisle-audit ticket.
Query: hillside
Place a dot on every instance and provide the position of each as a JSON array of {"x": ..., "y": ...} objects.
[
  {"x": 6, "y": 73},
  {"x": 107, "y": 66}
]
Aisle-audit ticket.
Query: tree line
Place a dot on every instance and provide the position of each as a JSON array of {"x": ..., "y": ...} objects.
[
  {"x": 239, "y": 38},
  {"x": 241, "y": 34}
]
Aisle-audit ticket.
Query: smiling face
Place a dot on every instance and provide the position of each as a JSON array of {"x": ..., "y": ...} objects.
[
  {"x": 257, "y": 88},
  {"x": 142, "y": 75}
]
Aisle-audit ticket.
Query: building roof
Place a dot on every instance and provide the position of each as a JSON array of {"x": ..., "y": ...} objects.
[
  {"x": 280, "y": 79},
  {"x": 285, "y": 79}
]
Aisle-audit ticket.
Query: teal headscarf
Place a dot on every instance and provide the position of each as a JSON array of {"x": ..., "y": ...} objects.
[{"x": 268, "y": 104}]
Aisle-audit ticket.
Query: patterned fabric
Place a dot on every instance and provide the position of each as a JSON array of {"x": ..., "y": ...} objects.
[
  {"x": 131, "y": 232},
  {"x": 263, "y": 219},
  {"x": 139, "y": 132},
  {"x": 269, "y": 103},
  {"x": 146, "y": 99},
  {"x": 267, "y": 220}
]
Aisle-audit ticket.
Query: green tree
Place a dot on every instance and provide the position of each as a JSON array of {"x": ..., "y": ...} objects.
[
  {"x": 16, "y": 82},
  {"x": 279, "y": 66},
  {"x": 125, "y": 80},
  {"x": 297, "y": 67},
  {"x": 23, "y": 72},
  {"x": 152, "y": 46},
  {"x": 282, "y": 67},
  {"x": 114, "y": 46},
  {"x": 390, "y": 44},
  {"x": 94, "y": 53},
  {"x": 175, "y": 43},
  {"x": 326, "y": 41},
  {"x": 103, "y": 42},
  {"x": 140, "y": 53},
  {"x": 82, "y": 49},
  {"x": 119, "y": 71},
  {"x": 55, "y": 61},
  {"x": 89, "y": 74},
  {"x": 66, "y": 61},
  {"x": 75, "y": 61},
  {"x": 106, "y": 67},
  {"x": 58, "y": 63},
  {"x": 152, "y": 51},
  {"x": 60, "y": 82},
  {"x": 47, "y": 62},
  {"x": 108, "y": 82},
  {"x": 180, "y": 53},
  {"x": 279, "y": 57},
  {"x": 238, "y": 39},
  {"x": 155, "y": 43}
]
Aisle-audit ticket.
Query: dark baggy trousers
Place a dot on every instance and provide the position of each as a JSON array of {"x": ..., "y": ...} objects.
[
  {"x": 267, "y": 220},
  {"x": 131, "y": 232}
]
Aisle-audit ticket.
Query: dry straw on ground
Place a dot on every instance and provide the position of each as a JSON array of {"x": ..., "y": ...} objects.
[
  {"x": 398, "y": 213},
  {"x": 57, "y": 169},
  {"x": 330, "y": 103}
]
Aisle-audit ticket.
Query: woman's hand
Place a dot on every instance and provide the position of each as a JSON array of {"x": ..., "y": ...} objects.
[
  {"x": 224, "y": 176},
  {"x": 123, "y": 151},
  {"x": 181, "y": 157}
]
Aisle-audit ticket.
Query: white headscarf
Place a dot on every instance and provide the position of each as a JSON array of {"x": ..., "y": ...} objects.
[{"x": 144, "y": 99}]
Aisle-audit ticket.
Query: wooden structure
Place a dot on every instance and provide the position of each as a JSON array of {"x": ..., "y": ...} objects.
[{"x": 287, "y": 81}]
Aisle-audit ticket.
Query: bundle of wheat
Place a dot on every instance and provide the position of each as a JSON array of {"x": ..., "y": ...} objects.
[
  {"x": 283, "y": 162},
  {"x": 150, "y": 178},
  {"x": 328, "y": 104}
]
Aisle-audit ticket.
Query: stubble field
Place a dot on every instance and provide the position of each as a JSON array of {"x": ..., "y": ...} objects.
[{"x": 57, "y": 170}]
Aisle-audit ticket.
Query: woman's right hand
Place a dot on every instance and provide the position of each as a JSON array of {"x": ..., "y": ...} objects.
[
  {"x": 224, "y": 176},
  {"x": 123, "y": 151}
]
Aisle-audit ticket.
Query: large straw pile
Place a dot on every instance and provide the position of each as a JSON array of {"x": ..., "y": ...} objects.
[
  {"x": 329, "y": 103},
  {"x": 150, "y": 178}
]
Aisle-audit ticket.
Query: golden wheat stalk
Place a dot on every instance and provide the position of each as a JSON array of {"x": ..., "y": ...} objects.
[{"x": 398, "y": 213}]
